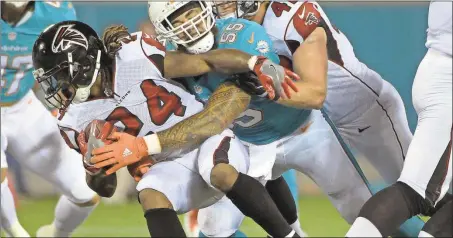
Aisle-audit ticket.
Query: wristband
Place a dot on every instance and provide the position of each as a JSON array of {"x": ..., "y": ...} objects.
[
  {"x": 252, "y": 61},
  {"x": 153, "y": 144}
]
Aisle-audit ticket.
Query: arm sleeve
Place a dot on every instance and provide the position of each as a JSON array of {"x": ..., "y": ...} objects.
[{"x": 307, "y": 19}]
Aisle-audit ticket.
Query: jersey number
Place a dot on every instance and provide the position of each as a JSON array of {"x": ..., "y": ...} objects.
[
  {"x": 131, "y": 122},
  {"x": 20, "y": 64},
  {"x": 249, "y": 118},
  {"x": 231, "y": 32},
  {"x": 161, "y": 105}
]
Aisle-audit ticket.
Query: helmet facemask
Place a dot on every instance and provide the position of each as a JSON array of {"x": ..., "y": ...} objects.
[
  {"x": 69, "y": 82},
  {"x": 189, "y": 25}
]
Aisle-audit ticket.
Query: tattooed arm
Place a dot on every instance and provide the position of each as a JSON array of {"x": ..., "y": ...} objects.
[{"x": 224, "y": 105}]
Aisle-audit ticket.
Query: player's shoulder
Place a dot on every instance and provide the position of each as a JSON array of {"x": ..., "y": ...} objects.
[
  {"x": 54, "y": 11},
  {"x": 240, "y": 25},
  {"x": 250, "y": 37},
  {"x": 141, "y": 53},
  {"x": 70, "y": 118},
  {"x": 140, "y": 46},
  {"x": 131, "y": 48},
  {"x": 244, "y": 30},
  {"x": 44, "y": 14},
  {"x": 55, "y": 5}
]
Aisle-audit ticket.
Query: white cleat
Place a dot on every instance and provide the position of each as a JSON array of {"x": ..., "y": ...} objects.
[{"x": 46, "y": 231}]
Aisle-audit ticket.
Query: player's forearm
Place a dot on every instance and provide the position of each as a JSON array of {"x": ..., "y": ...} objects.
[
  {"x": 310, "y": 63},
  {"x": 229, "y": 61},
  {"x": 226, "y": 104},
  {"x": 308, "y": 97}
]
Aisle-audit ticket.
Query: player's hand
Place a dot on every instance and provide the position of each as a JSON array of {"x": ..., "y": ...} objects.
[
  {"x": 83, "y": 147},
  {"x": 249, "y": 83},
  {"x": 125, "y": 150},
  {"x": 276, "y": 79},
  {"x": 138, "y": 169}
]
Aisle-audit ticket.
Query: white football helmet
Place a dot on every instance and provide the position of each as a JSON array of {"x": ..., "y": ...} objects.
[
  {"x": 237, "y": 9},
  {"x": 195, "y": 34}
]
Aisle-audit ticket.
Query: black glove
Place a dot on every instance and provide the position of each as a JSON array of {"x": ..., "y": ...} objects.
[{"x": 250, "y": 84}]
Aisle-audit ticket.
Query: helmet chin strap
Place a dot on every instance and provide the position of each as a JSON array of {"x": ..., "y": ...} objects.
[
  {"x": 203, "y": 45},
  {"x": 82, "y": 94}
]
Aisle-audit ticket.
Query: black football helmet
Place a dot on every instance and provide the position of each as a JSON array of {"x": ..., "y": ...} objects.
[{"x": 67, "y": 58}]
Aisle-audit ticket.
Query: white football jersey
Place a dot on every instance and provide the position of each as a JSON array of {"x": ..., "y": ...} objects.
[
  {"x": 352, "y": 86},
  {"x": 145, "y": 102},
  {"x": 440, "y": 26}
]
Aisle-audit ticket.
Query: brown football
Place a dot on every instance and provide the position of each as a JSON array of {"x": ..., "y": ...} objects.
[{"x": 96, "y": 134}]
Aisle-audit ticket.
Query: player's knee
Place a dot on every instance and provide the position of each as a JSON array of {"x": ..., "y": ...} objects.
[
  {"x": 92, "y": 202},
  {"x": 82, "y": 195},
  {"x": 399, "y": 196},
  {"x": 223, "y": 177},
  {"x": 417, "y": 204},
  {"x": 153, "y": 199}
]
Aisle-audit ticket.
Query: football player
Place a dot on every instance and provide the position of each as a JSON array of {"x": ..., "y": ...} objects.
[
  {"x": 373, "y": 121},
  {"x": 427, "y": 171},
  {"x": 203, "y": 93},
  {"x": 301, "y": 139},
  {"x": 124, "y": 83},
  {"x": 29, "y": 133}
]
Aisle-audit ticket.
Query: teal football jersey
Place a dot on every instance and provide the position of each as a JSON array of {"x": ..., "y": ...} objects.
[
  {"x": 264, "y": 121},
  {"x": 201, "y": 92},
  {"x": 17, "y": 46}
]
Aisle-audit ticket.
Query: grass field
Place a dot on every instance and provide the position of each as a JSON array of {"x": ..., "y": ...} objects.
[{"x": 317, "y": 215}]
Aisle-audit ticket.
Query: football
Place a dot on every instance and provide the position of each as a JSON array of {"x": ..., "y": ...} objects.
[
  {"x": 96, "y": 134},
  {"x": 100, "y": 130}
]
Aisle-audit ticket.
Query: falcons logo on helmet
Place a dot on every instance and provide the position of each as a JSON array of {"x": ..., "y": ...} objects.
[
  {"x": 66, "y": 36},
  {"x": 311, "y": 19}
]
